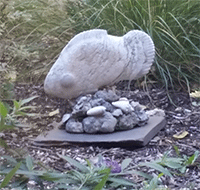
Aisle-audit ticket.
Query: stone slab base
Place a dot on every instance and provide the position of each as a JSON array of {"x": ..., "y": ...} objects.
[{"x": 139, "y": 136}]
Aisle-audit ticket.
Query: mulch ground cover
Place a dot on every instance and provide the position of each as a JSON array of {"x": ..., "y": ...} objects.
[{"x": 181, "y": 116}]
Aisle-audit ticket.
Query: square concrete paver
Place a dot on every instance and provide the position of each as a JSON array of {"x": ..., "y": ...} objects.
[{"x": 139, "y": 136}]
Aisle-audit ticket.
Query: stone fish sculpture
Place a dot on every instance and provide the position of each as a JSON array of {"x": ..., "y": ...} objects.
[{"x": 93, "y": 59}]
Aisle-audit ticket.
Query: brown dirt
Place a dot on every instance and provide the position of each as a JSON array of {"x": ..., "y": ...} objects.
[{"x": 182, "y": 117}]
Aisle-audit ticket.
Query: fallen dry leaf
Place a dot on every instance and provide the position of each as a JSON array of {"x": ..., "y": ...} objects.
[
  {"x": 195, "y": 94},
  {"x": 181, "y": 135}
]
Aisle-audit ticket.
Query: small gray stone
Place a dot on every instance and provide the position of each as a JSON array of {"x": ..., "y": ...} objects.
[
  {"x": 141, "y": 114},
  {"x": 98, "y": 110},
  {"x": 123, "y": 105},
  {"x": 66, "y": 117},
  {"x": 156, "y": 111},
  {"x": 109, "y": 123},
  {"x": 14, "y": 135},
  {"x": 91, "y": 124},
  {"x": 107, "y": 95},
  {"x": 137, "y": 106},
  {"x": 102, "y": 102},
  {"x": 143, "y": 118},
  {"x": 103, "y": 124},
  {"x": 155, "y": 139},
  {"x": 82, "y": 106},
  {"x": 134, "y": 104},
  {"x": 117, "y": 113},
  {"x": 73, "y": 126},
  {"x": 126, "y": 122}
]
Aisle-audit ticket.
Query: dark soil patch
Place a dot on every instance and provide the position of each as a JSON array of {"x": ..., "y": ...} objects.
[{"x": 182, "y": 117}]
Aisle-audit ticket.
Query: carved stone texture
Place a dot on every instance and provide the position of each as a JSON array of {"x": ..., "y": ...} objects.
[{"x": 93, "y": 59}]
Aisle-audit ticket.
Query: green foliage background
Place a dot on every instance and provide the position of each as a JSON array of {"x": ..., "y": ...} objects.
[
  {"x": 32, "y": 33},
  {"x": 173, "y": 26}
]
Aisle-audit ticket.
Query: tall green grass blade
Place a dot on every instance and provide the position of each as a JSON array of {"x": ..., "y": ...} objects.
[
  {"x": 3, "y": 110},
  {"x": 9, "y": 176},
  {"x": 104, "y": 179}
]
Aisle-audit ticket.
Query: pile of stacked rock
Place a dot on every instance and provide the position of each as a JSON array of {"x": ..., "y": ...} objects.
[{"x": 104, "y": 112}]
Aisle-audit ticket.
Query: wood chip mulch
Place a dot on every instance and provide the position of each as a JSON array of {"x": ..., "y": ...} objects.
[{"x": 181, "y": 116}]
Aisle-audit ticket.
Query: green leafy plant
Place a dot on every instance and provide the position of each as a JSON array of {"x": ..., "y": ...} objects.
[
  {"x": 186, "y": 161},
  {"x": 3, "y": 117},
  {"x": 180, "y": 163},
  {"x": 89, "y": 175},
  {"x": 23, "y": 168},
  {"x": 93, "y": 176},
  {"x": 20, "y": 108},
  {"x": 153, "y": 184},
  {"x": 9, "y": 115},
  {"x": 83, "y": 177}
]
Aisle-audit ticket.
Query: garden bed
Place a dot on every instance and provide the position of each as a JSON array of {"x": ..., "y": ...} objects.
[{"x": 183, "y": 117}]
